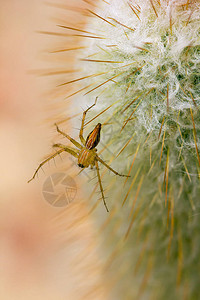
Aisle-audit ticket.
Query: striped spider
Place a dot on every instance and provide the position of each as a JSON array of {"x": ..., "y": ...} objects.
[{"x": 86, "y": 153}]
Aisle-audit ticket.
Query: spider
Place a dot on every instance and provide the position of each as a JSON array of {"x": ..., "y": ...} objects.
[{"x": 86, "y": 153}]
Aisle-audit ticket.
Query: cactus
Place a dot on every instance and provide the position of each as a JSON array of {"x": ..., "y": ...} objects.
[{"x": 142, "y": 60}]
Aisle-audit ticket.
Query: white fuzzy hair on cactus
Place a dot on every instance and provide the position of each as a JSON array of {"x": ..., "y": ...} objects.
[{"x": 149, "y": 49}]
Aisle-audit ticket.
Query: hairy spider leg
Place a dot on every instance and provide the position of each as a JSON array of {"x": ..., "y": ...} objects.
[
  {"x": 107, "y": 166},
  {"x": 63, "y": 148},
  {"x": 44, "y": 162},
  {"x": 83, "y": 121},
  {"x": 100, "y": 184},
  {"x": 71, "y": 150},
  {"x": 69, "y": 138}
]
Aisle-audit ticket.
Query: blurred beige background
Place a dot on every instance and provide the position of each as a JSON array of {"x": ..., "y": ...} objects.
[{"x": 33, "y": 263}]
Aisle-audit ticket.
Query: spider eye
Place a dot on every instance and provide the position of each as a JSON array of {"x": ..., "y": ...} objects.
[
  {"x": 94, "y": 137},
  {"x": 81, "y": 166}
]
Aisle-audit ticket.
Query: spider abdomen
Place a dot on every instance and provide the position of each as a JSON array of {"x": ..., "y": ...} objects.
[
  {"x": 86, "y": 157},
  {"x": 93, "y": 137}
]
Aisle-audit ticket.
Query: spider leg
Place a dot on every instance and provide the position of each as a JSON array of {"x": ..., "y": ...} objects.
[
  {"x": 68, "y": 149},
  {"x": 45, "y": 161},
  {"x": 100, "y": 184},
  {"x": 83, "y": 121},
  {"x": 107, "y": 166},
  {"x": 68, "y": 137}
]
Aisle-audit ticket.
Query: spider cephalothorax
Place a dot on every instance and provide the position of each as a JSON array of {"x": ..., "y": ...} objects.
[{"x": 85, "y": 153}]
